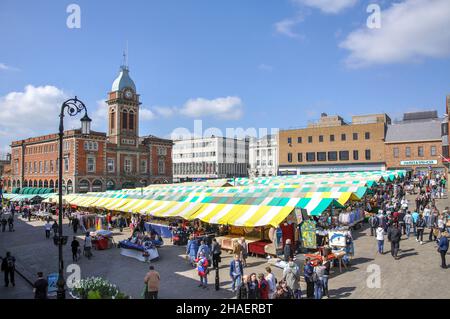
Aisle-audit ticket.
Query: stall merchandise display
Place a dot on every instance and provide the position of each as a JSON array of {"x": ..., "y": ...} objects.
[
  {"x": 352, "y": 218},
  {"x": 308, "y": 231}
]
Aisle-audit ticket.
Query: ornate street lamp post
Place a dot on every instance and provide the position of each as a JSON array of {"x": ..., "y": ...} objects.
[{"x": 73, "y": 107}]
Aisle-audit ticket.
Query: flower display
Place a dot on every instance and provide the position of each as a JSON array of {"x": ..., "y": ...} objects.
[{"x": 97, "y": 288}]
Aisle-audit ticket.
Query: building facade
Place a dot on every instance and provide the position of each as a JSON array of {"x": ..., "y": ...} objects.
[
  {"x": 332, "y": 145},
  {"x": 263, "y": 156},
  {"x": 99, "y": 161},
  {"x": 210, "y": 157},
  {"x": 415, "y": 143}
]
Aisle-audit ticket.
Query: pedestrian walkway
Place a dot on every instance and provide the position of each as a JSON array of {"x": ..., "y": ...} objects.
[{"x": 415, "y": 275}]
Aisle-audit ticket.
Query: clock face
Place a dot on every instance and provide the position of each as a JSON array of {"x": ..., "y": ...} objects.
[{"x": 128, "y": 94}]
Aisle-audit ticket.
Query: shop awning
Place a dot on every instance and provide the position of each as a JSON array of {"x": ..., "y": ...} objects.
[{"x": 242, "y": 215}]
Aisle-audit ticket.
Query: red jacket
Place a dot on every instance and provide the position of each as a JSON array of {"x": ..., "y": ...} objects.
[{"x": 263, "y": 286}]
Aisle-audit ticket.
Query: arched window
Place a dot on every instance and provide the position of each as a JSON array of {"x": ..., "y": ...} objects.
[
  {"x": 112, "y": 120},
  {"x": 97, "y": 186},
  {"x": 45, "y": 184},
  {"x": 52, "y": 185},
  {"x": 131, "y": 120},
  {"x": 110, "y": 185},
  {"x": 14, "y": 184},
  {"x": 35, "y": 184},
  {"x": 25, "y": 183},
  {"x": 124, "y": 119},
  {"x": 84, "y": 186},
  {"x": 18, "y": 183},
  {"x": 69, "y": 187},
  {"x": 41, "y": 184}
]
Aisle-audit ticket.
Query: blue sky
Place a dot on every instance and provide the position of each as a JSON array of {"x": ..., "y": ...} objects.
[{"x": 233, "y": 63}]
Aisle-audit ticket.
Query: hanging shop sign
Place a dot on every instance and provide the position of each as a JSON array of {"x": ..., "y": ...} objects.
[
  {"x": 413, "y": 163},
  {"x": 309, "y": 238},
  {"x": 337, "y": 238}
]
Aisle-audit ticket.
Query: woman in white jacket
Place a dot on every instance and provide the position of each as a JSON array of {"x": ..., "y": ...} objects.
[{"x": 380, "y": 239}]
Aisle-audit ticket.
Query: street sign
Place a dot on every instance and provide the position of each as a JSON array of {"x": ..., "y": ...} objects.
[{"x": 52, "y": 280}]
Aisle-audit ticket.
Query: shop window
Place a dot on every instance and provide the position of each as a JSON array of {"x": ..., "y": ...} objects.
[
  {"x": 310, "y": 157},
  {"x": 343, "y": 156},
  {"x": 321, "y": 156},
  {"x": 332, "y": 156}
]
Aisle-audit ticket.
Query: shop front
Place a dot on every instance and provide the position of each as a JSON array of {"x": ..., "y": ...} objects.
[{"x": 423, "y": 167}]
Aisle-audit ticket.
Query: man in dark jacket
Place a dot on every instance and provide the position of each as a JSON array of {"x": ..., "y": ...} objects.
[
  {"x": 8, "y": 267},
  {"x": 40, "y": 287},
  {"x": 433, "y": 226},
  {"x": 288, "y": 251},
  {"x": 394, "y": 236},
  {"x": 443, "y": 248},
  {"x": 308, "y": 272},
  {"x": 236, "y": 272},
  {"x": 373, "y": 222}
]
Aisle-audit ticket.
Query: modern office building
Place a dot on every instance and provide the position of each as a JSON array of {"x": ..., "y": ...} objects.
[
  {"x": 263, "y": 156},
  {"x": 333, "y": 145},
  {"x": 209, "y": 158}
]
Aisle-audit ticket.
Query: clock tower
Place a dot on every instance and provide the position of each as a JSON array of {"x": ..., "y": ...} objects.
[{"x": 123, "y": 111}]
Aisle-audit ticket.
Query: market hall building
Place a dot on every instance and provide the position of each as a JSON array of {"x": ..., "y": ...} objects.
[{"x": 99, "y": 161}]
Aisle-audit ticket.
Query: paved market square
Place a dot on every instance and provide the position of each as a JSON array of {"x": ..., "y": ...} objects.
[{"x": 415, "y": 275}]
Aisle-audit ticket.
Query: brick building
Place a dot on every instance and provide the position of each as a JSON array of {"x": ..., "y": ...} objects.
[
  {"x": 415, "y": 143},
  {"x": 331, "y": 144},
  {"x": 99, "y": 161}
]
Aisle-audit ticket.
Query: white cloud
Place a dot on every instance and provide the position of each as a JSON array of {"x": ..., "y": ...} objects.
[
  {"x": 328, "y": 6},
  {"x": 146, "y": 114},
  {"x": 265, "y": 67},
  {"x": 4, "y": 67},
  {"x": 228, "y": 108},
  {"x": 410, "y": 31},
  {"x": 286, "y": 26},
  {"x": 31, "y": 112},
  {"x": 165, "y": 111}
]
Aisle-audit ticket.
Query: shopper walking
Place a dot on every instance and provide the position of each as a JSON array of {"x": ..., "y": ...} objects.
[
  {"x": 394, "y": 236},
  {"x": 244, "y": 251},
  {"x": 253, "y": 287},
  {"x": 192, "y": 249},
  {"x": 242, "y": 289},
  {"x": 373, "y": 223},
  {"x": 443, "y": 248},
  {"x": 152, "y": 279},
  {"x": 291, "y": 274},
  {"x": 308, "y": 271},
  {"x": 75, "y": 224},
  {"x": 236, "y": 272},
  {"x": 326, "y": 264},
  {"x": 380, "y": 240},
  {"x": 11, "y": 223},
  {"x": 420, "y": 225},
  {"x": 415, "y": 217},
  {"x": 202, "y": 270},
  {"x": 272, "y": 281},
  {"x": 204, "y": 249},
  {"x": 88, "y": 246},
  {"x": 40, "y": 287},
  {"x": 55, "y": 228},
  {"x": 48, "y": 228},
  {"x": 318, "y": 279},
  {"x": 408, "y": 223},
  {"x": 8, "y": 267},
  {"x": 263, "y": 286},
  {"x": 288, "y": 250},
  {"x": 4, "y": 223},
  {"x": 216, "y": 251},
  {"x": 433, "y": 226},
  {"x": 75, "y": 245}
]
